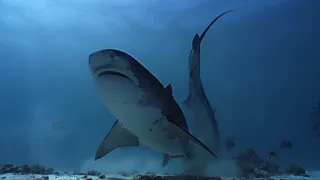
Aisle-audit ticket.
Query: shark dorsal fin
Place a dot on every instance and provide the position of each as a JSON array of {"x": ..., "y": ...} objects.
[
  {"x": 169, "y": 89},
  {"x": 195, "y": 41}
]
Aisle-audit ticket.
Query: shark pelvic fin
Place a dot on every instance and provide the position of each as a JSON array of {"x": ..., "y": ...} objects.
[
  {"x": 183, "y": 132},
  {"x": 166, "y": 158},
  {"x": 169, "y": 89},
  {"x": 117, "y": 137},
  {"x": 188, "y": 101}
]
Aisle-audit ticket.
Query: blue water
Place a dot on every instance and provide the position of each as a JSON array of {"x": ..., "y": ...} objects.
[{"x": 260, "y": 68}]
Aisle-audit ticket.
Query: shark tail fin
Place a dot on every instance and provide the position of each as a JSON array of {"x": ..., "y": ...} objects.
[
  {"x": 212, "y": 22},
  {"x": 188, "y": 101}
]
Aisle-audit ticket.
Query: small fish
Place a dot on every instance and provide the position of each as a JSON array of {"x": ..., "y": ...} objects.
[
  {"x": 230, "y": 143},
  {"x": 301, "y": 165},
  {"x": 316, "y": 126},
  {"x": 56, "y": 125},
  {"x": 286, "y": 145},
  {"x": 272, "y": 155},
  {"x": 315, "y": 114}
]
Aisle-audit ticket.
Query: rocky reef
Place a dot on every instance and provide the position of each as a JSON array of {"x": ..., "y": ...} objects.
[
  {"x": 39, "y": 172},
  {"x": 296, "y": 170},
  {"x": 252, "y": 166},
  {"x": 44, "y": 172},
  {"x": 25, "y": 169},
  {"x": 152, "y": 176},
  {"x": 250, "y": 163}
]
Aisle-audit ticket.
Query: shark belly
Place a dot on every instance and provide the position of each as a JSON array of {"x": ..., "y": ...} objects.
[
  {"x": 151, "y": 133},
  {"x": 120, "y": 96}
]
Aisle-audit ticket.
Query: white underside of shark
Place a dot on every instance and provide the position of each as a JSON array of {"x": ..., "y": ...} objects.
[{"x": 115, "y": 91}]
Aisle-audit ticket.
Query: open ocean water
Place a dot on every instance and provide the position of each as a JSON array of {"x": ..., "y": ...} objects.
[{"x": 258, "y": 110}]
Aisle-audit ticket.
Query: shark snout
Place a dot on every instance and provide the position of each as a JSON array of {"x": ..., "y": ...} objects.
[
  {"x": 100, "y": 60},
  {"x": 109, "y": 60}
]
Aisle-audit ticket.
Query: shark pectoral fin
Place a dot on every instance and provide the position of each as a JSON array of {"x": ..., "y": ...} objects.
[
  {"x": 188, "y": 102},
  {"x": 166, "y": 158},
  {"x": 117, "y": 137},
  {"x": 169, "y": 89},
  {"x": 182, "y": 132}
]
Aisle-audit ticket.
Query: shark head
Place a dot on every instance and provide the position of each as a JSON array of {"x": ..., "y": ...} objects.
[
  {"x": 117, "y": 73},
  {"x": 115, "y": 78},
  {"x": 112, "y": 63}
]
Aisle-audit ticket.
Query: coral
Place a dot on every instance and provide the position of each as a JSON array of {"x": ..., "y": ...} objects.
[{"x": 259, "y": 173}]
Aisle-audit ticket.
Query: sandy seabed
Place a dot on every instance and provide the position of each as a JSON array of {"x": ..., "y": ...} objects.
[{"x": 314, "y": 175}]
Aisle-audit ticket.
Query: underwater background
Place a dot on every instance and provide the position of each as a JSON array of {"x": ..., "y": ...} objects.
[{"x": 260, "y": 69}]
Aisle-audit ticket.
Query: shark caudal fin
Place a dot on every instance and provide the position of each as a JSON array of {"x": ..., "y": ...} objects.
[
  {"x": 117, "y": 137},
  {"x": 212, "y": 22}
]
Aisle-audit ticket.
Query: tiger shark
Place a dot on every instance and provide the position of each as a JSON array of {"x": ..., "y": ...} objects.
[
  {"x": 145, "y": 110},
  {"x": 206, "y": 127}
]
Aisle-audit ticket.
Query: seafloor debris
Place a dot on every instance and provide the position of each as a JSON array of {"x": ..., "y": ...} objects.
[
  {"x": 253, "y": 166},
  {"x": 153, "y": 176},
  {"x": 286, "y": 144},
  {"x": 249, "y": 163},
  {"x": 25, "y": 169},
  {"x": 41, "y": 170},
  {"x": 296, "y": 170},
  {"x": 230, "y": 143},
  {"x": 127, "y": 174},
  {"x": 148, "y": 177}
]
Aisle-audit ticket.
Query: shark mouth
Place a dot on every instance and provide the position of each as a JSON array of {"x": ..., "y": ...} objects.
[{"x": 113, "y": 73}]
